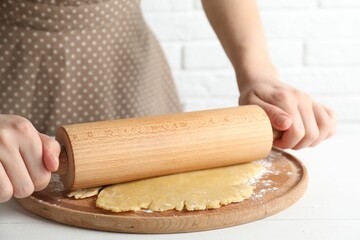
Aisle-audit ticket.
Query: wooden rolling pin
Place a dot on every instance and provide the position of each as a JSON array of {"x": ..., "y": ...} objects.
[{"x": 102, "y": 153}]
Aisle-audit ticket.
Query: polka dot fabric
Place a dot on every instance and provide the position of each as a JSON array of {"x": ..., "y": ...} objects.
[{"x": 67, "y": 61}]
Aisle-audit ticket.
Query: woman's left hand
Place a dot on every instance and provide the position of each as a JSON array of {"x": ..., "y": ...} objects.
[{"x": 305, "y": 122}]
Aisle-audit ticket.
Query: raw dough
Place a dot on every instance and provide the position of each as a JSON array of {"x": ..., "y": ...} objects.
[
  {"x": 84, "y": 193},
  {"x": 198, "y": 190}
]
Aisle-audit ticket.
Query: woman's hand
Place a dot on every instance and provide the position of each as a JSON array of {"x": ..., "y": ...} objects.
[
  {"x": 27, "y": 158},
  {"x": 238, "y": 26},
  {"x": 305, "y": 122}
]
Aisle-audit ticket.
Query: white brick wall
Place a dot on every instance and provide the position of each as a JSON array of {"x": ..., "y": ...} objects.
[{"x": 314, "y": 43}]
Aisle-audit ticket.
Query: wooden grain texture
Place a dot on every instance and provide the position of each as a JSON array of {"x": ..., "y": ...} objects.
[
  {"x": 107, "y": 152},
  {"x": 283, "y": 184}
]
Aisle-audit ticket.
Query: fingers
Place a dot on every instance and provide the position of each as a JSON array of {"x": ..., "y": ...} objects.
[
  {"x": 325, "y": 121},
  {"x": 22, "y": 169},
  {"x": 32, "y": 155},
  {"x": 51, "y": 152},
  {"x": 304, "y": 122},
  {"x": 319, "y": 123},
  {"x": 312, "y": 124},
  {"x": 17, "y": 173},
  {"x": 332, "y": 121},
  {"x": 295, "y": 132},
  {"x": 5, "y": 186},
  {"x": 312, "y": 132},
  {"x": 279, "y": 119}
]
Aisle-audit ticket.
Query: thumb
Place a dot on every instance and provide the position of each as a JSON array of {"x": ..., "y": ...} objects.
[
  {"x": 51, "y": 152},
  {"x": 279, "y": 119}
]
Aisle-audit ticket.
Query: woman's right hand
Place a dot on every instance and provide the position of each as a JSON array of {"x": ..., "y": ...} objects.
[{"x": 27, "y": 158}]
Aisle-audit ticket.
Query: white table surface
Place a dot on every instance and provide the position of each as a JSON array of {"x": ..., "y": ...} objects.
[{"x": 330, "y": 208}]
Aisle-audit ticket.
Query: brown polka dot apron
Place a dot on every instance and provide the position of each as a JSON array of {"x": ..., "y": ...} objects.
[{"x": 70, "y": 61}]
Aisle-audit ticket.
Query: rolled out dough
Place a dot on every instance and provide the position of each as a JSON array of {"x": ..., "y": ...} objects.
[
  {"x": 198, "y": 190},
  {"x": 84, "y": 193}
]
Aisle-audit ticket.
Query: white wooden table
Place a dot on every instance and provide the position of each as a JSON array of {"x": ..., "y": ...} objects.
[{"x": 330, "y": 209}]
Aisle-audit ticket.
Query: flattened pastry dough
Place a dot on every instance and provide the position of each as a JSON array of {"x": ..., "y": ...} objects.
[
  {"x": 84, "y": 193},
  {"x": 198, "y": 190}
]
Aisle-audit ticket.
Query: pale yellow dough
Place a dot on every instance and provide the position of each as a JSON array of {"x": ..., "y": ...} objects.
[
  {"x": 198, "y": 190},
  {"x": 84, "y": 193}
]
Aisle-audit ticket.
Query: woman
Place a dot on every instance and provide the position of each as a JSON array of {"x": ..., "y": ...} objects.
[{"x": 67, "y": 61}]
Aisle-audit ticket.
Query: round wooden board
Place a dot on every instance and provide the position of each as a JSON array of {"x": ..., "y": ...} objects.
[{"x": 282, "y": 185}]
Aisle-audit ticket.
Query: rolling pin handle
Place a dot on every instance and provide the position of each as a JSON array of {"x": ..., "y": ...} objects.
[{"x": 63, "y": 162}]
